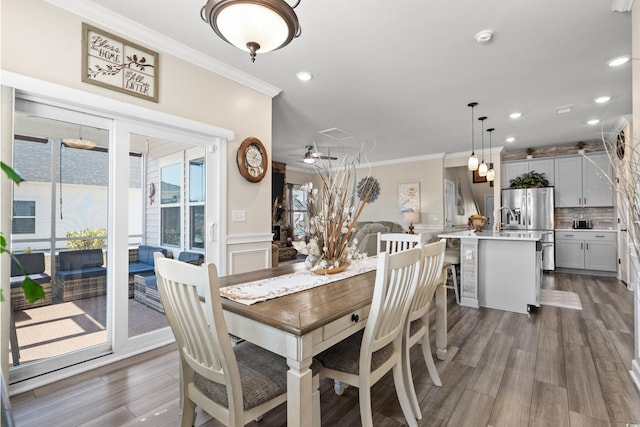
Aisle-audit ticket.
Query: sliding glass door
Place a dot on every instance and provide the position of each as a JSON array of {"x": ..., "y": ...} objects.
[{"x": 60, "y": 233}]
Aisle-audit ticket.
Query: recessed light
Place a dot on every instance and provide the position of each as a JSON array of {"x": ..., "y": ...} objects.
[
  {"x": 602, "y": 99},
  {"x": 304, "y": 76},
  {"x": 615, "y": 62},
  {"x": 515, "y": 115},
  {"x": 593, "y": 122},
  {"x": 510, "y": 139}
]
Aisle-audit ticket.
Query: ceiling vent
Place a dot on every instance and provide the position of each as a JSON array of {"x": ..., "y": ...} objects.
[
  {"x": 336, "y": 133},
  {"x": 564, "y": 109},
  {"x": 621, "y": 5}
]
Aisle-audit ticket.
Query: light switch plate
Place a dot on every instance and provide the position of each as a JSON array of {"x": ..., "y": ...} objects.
[{"x": 239, "y": 216}]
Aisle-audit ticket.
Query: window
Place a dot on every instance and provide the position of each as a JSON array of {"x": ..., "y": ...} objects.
[
  {"x": 24, "y": 217},
  {"x": 196, "y": 203},
  {"x": 170, "y": 198},
  {"x": 300, "y": 212}
]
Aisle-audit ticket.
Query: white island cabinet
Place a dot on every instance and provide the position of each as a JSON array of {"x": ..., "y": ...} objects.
[{"x": 501, "y": 270}]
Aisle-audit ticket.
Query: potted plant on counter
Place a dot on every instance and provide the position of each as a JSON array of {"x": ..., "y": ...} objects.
[{"x": 531, "y": 179}]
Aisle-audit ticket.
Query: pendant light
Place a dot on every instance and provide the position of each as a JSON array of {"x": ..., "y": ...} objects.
[
  {"x": 252, "y": 25},
  {"x": 491, "y": 174},
  {"x": 482, "y": 169},
  {"x": 473, "y": 159}
]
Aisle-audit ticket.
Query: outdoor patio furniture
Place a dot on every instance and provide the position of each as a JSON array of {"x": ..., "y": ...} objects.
[
  {"x": 80, "y": 275},
  {"x": 141, "y": 262},
  {"x": 146, "y": 287},
  {"x": 34, "y": 265}
]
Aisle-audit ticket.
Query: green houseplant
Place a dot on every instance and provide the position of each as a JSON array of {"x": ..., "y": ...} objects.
[{"x": 530, "y": 179}]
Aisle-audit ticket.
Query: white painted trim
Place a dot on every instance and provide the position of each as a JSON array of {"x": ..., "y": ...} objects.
[
  {"x": 464, "y": 154},
  {"x": 235, "y": 254},
  {"x": 133, "y": 31},
  {"x": 240, "y": 239},
  {"x": 55, "y": 94}
]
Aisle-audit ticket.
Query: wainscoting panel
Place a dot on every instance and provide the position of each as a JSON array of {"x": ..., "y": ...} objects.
[{"x": 241, "y": 261}]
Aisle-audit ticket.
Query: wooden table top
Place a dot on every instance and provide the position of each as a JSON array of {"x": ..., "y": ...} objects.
[{"x": 302, "y": 312}]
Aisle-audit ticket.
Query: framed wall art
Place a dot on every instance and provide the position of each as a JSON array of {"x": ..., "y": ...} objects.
[
  {"x": 114, "y": 63},
  {"x": 476, "y": 176},
  {"x": 409, "y": 197}
]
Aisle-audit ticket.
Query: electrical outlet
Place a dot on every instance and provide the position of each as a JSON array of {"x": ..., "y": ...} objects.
[{"x": 239, "y": 216}]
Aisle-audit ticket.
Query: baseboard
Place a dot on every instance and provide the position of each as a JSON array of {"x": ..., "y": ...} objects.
[
  {"x": 585, "y": 272},
  {"x": 635, "y": 372}
]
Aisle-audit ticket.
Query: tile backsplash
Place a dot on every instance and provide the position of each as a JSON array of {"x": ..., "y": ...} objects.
[{"x": 601, "y": 218}]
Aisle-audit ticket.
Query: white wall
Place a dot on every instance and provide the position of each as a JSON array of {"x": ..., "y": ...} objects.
[{"x": 36, "y": 29}]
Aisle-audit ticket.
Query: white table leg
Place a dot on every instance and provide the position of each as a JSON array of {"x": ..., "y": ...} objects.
[
  {"x": 300, "y": 386},
  {"x": 441, "y": 317}
]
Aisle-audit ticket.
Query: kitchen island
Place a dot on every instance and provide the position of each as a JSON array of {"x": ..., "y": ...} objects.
[{"x": 501, "y": 270}]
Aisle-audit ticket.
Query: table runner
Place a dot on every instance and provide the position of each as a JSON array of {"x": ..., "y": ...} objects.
[{"x": 262, "y": 290}]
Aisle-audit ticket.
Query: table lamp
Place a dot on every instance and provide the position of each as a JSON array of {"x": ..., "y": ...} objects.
[{"x": 412, "y": 217}]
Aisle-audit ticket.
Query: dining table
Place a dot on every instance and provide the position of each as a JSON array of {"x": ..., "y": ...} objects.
[{"x": 302, "y": 324}]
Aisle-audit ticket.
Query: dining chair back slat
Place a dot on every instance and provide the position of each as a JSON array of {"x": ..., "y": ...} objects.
[
  {"x": 234, "y": 384},
  {"x": 417, "y": 322},
  {"x": 363, "y": 359},
  {"x": 396, "y": 242}
]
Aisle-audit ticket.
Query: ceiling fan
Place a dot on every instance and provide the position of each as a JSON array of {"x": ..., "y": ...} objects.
[{"x": 311, "y": 155}]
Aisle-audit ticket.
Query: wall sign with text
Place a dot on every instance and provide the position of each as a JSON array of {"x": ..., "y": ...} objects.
[{"x": 114, "y": 63}]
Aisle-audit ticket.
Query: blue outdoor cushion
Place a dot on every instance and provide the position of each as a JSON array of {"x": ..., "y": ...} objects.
[
  {"x": 33, "y": 263},
  {"x": 82, "y": 259},
  {"x": 42, "y": 278},
  {"x": 151, "y": 282},
  {"x": 190, "y": 256},
  {"x": 145, "y": 254},
  {"x": 140, "y": 267},
  {"x": 83, "y": 273}
]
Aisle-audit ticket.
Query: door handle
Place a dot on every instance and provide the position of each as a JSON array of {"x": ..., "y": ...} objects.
[
  {"x": 581, "y": 246},
  {"x": 212, "y": 231},
  {"x": 587, "y": 246}
]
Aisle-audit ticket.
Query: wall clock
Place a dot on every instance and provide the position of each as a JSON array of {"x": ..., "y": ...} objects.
[
  {"x": 620, "y": 145},
  {"x": 252, "y": 160}
]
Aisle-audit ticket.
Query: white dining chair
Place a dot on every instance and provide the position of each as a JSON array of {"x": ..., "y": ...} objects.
[
  {"x": 364, "y": 358},
  {"x": 396, "y": 242},
  {"x": 417, "y": 326},
  {"x": 234, "y": 384}
]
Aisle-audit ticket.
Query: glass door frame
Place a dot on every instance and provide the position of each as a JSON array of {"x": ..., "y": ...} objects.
[{"x": 127, "y": 119}]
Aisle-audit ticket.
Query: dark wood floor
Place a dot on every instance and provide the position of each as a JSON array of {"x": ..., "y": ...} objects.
[{"x": 558, "y": 367}]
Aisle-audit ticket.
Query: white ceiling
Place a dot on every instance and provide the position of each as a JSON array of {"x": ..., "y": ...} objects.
[{"x": 399, "y": 74}]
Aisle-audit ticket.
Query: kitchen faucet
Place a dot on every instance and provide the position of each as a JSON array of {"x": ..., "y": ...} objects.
[{"x": 497, "y": 221}]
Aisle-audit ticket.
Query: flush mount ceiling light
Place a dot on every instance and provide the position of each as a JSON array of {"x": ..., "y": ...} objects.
[
  {"x": 484, "y": 36},
  {"x": 304, "y": 76},
  {"x": 602, "y": 99},
  {"x": 616, "y": 62},
  {"x": 483, "y": 168},
  {"x": 510, "y": 139},
  {"x": 473, "y": 159},
  {"x": 593, "y": 122},
  {"x": 253, "y": 25},
  {"x": 515, "y": 115}
]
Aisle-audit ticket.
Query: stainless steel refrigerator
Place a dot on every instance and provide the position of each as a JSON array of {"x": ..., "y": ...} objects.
[{"x": 532, "y": 209}]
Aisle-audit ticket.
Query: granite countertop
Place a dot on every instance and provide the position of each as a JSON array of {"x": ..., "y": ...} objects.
[{"x": 520, "y": 235}]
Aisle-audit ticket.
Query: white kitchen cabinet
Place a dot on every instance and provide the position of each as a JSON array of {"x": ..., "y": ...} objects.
[
  {"x": 511, "y": 170},
  {"x": 590, "y": 250},
  {"x": 583, "y": 182}
]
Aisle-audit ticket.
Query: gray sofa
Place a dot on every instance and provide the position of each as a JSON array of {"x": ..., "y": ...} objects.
[{"x": 366, "y": 233}]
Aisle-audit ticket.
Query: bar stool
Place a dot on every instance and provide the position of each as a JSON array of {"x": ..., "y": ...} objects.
[{"x": 452, "y": 256}]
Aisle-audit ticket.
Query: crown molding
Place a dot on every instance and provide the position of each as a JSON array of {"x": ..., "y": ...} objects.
[{"x": 131, "y": 30}]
